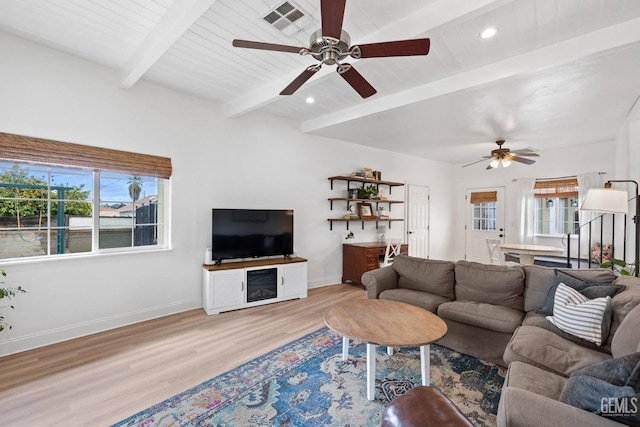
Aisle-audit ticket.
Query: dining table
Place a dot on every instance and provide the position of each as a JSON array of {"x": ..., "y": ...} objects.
[{"x": 527, "y": 252}]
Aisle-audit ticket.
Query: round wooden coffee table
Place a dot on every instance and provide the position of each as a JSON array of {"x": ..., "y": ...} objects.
[{"x": 384, "y": 322}]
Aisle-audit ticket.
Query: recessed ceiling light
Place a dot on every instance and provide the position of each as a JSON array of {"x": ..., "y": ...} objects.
[
  {"x": 310, "y": 100},
  {"x": 489, "y": 32}
]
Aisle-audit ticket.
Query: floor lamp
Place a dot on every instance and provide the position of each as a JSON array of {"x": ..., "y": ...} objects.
[{"x": 609, "y": 200}]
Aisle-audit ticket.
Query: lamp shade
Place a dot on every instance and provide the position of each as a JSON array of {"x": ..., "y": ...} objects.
[{"x": 606, "y": 200}]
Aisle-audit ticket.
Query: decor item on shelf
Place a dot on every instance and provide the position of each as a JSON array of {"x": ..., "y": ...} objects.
[
  {"x": 373, "y": 191},
  {"x": 7, "y": 293},
  {"x": 350, "y": 235},
  {"x": 377, "y": 175},
  {"x": 330, "y": 45},
  {"x": 382, "y": 195},
  {"x": 368, "y": 192},
  {"x": 615, "y": 201},
  {"x": 382, "y": 214},
  {"x": 352, "y": 213},
  {"x": 368, "y": 173},
  {"x": 503, "y": 157},
  {"x": 365, "y": 210},
  {"x": 353, "y": 193}
]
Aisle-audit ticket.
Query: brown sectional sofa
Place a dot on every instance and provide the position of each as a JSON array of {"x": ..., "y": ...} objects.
[{"x": 491, "y": 314}]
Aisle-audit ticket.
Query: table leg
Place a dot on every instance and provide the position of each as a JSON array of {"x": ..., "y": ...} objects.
[
  {"x": 371, "y": 371},
  {"x": 526, "y": 259},
  {"x": 345, "y": 348},
  {"x": 425, "y": 364},
  {"x": 390, "y": 351}
]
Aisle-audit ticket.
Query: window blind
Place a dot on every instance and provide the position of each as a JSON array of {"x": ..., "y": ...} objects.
[
  {"x": 556, "y": 188},
  {"x": 18, "y": 148},
  {"x": 484, "y": 197}
]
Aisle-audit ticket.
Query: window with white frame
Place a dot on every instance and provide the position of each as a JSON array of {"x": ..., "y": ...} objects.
[
  {"x": 59, "y": 210},
  {"x": 484, "y": 210},
  {"x": 556, "y": 206}
]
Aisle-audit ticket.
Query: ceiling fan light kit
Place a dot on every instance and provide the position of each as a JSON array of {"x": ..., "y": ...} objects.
[
  {"x": 330, "y": 45},
  {"x": 504, "y": 157}
]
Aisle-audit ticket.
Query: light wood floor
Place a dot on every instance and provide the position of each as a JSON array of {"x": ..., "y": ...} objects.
[{"x": 103, "y": 378}]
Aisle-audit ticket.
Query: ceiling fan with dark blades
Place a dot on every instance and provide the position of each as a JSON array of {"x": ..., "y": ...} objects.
[
  {"x": 331, "y": 44},
  {"x": 503, "y": 157}
]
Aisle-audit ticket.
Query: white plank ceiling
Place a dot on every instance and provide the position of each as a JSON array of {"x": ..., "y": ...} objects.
[{"x": 558, "y": 72}]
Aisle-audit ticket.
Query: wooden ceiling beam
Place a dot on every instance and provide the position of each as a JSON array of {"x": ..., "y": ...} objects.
[
  {"x": 173, "y": 24},
  {"x": 581, "y": 47}
]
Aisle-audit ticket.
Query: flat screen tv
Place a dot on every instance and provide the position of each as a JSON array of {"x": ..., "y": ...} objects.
[{"x": 251, "y": 233}]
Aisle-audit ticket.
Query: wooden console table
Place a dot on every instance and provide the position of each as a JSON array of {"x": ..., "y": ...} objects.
[{"x": 358, "y": 258}]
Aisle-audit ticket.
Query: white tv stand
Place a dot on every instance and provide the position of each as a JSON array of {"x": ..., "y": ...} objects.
[{"x": 235, "y": 285}]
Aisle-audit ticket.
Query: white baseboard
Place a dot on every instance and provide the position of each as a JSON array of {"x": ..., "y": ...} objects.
[
  {"x": 324, "y": 282},
  {"x": 53, "y": 336}
]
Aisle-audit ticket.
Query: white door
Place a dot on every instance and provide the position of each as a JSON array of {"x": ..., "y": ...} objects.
[
  {"x": 417, "y": 223},
  {"x": 484, "y": 218}
]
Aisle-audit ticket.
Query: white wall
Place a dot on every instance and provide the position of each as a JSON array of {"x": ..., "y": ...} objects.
[
  {"x": 598, "y": 157},
  {"x": 255, "y": 161}
]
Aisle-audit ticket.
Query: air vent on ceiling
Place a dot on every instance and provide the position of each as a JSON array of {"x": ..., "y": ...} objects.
[{"x": 288, "y": 18}]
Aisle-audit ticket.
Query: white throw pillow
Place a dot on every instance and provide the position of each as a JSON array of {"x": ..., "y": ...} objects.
[{"x": 578, "y": 315}]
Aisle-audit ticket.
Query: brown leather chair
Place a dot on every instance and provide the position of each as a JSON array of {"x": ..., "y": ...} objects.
[{"x": 423, "y": 406}]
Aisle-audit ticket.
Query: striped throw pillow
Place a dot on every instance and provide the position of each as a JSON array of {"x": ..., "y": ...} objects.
[{"x": 578, "y": 315}]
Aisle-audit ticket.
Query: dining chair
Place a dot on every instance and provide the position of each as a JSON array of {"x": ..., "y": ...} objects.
[
  {"x": 392, "y": 249},
  {"x": 495, "y": 253}
]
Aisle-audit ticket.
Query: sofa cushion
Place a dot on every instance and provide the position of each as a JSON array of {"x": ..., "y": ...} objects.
[
  {"x": 547, "y": 350},
  {"x": 539, "y": 280},
  {"x": 534, "y": 319},
  {"x": 522, "y": 408},
  {"x": 534, "y": 379},
  {"x": 488, "y": 316},
  {"x": 578, "y": 315},
  {"x": 492, "y": 284},
  {"x": 627, "y": 337},
  {"x": 433, "y": 276},
  {"x": 623, "y": 303},
  {"x": 421, "y": 299},
  {"x": 588, "y": 289},
  {"x": 608, "y": 388}
]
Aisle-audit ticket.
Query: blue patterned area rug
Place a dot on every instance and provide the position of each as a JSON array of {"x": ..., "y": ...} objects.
[{"x": 306, "y": 383}]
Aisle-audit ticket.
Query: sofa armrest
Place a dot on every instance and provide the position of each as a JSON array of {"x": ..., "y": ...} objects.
[
  {"x": 522, "y": 408},
  {"x": 380, "y": 280}
]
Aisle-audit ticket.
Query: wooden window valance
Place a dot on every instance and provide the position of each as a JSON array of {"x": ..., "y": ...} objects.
[
  {"x": 484, "y": 197},
  {"x": 556, "y": 188},
  {"x": 18, "y": 148}
]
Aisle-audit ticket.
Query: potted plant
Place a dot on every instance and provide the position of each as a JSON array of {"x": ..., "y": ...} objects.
[
  {"x": 350, "y": 235},
  {"x": 7, "y": 293},
  {"x": 619, "y": 266},
  {"x": 368, "y": 192}
]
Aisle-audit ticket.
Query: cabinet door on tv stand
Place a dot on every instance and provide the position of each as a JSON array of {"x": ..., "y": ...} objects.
[
  {"x": 293, "y": 280},
  {"x": 229, "y": 288}
]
